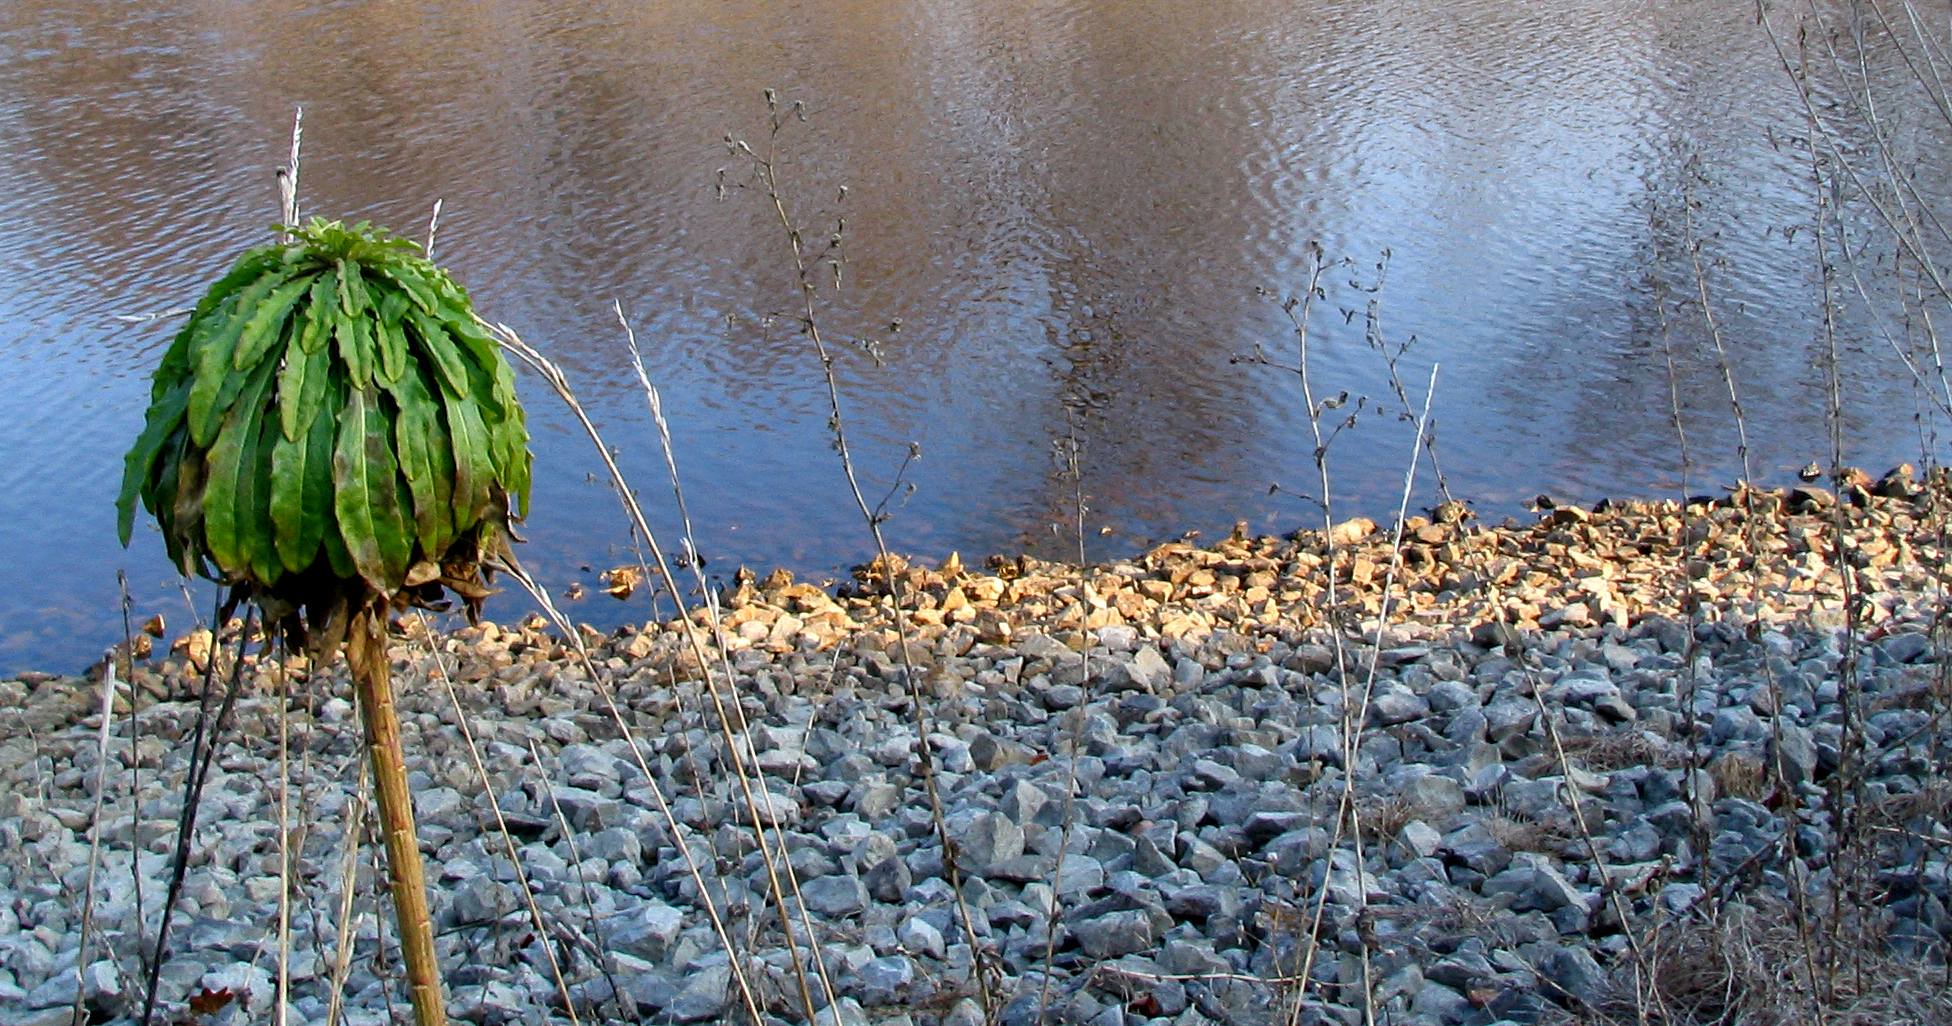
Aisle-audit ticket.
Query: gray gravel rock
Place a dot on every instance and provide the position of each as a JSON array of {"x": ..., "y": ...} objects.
[
  {"x": 1437, "y": 1003},
  {"x": 1395, "y": 704},
  {"x": 990, "y": 839},
  {"x": 1205, "y": 764},
  {"x": 1116, "y": 933},
  {"x": 885, "y": 979},
  {"x": 481, "y": 899},
  {"x": 1434, "y": 796},
  {"x": 705, "y": 995},
  {"x": 1150, "y": 671},
  {"x": 835, "y": 896},
  {"x": 921, "y": 937},
  {"x": 650, "y": 933},
  {"x": 1509, "y": 716},
  {"x": 1574, "y": 972}
]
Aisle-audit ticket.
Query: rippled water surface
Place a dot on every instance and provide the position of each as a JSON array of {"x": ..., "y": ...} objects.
[{"x": 1071, "y": 206}]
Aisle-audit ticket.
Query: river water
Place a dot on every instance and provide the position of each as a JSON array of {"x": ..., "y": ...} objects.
[{"x": 1081, "y": 214}]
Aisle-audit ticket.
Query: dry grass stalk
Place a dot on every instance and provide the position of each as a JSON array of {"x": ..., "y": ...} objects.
[
  {"x": 1605, "y": 753},
  {"x": 351, "y": 838},
  {"x": 204, "y": 741},
  {"x": 1350, "y": 815},
  {"x": 1569, "y": 796},
  {"x": 95, "y": 835},
  {"x": 1380, "y": 819},
  {"x": 594, "y": 943},
  {"x": 501, "y": 822},
  {"x": 379, "y": 718},
  {"x": 716, "y": 623},
  {"x": 1745, "y": 967},
  {"x": 560, "y": 384},
  {"x": 1299, "y": 311},
  {"x": 765, "y": 169},
  {"x": 1076, "y": 721},
  {"x": 1352, "y": 730},
  {"x": 137, "y": 844},
  {"x": 284, "y": 845},
  {"x": 678, "y": 832}
]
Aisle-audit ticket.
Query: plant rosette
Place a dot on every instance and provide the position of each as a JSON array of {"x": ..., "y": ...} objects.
[{"x": 333, "y": 424}]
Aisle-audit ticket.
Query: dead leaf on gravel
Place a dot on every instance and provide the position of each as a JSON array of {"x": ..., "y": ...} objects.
[{"x": 621, "y": 581}]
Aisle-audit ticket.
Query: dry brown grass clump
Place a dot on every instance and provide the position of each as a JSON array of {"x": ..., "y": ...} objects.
[
  {"x": 1381, "y": 819},
  {"x": 1606, "y": 753},
  {"x": 1740, "y": 775},
  {"x": 1751, "y": 966},
  {"x": 1547, "y": 835},
  {"x": 1925, "y": 808}
]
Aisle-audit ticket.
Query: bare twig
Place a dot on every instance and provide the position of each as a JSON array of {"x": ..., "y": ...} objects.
[
  {"x": 288, "y": 175},
  {"x": 284, "y": 845},
  {"x": 766, "y": 168},
  {"x": 95, "y": 834},
  {"x": 433, "y": 225},
  {"x": 501, "y": 821},
  {"x": 204, "y": 741}
]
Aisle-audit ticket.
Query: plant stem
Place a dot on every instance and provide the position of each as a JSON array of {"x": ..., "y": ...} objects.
[{"x": 366, "y": 652}]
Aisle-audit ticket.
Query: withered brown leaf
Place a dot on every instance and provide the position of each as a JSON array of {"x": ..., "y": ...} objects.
[{"x": 210, "y": 1002}]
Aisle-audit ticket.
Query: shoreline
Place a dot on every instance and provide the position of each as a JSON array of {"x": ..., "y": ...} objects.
[
  {"x": 1574, "y": 566},
  {"x": 1185, "y": 727}
]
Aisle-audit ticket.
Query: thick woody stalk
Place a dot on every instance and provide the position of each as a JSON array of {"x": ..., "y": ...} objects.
[{"x": 366, "y": 651}]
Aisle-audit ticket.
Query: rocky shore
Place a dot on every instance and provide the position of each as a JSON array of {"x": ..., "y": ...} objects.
[{"x": 1516, "y": 773}]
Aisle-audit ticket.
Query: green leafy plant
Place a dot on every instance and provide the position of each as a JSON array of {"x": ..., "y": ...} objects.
[
  {"x": 332, "y": 419},
  {"x": 335, "y": 435}
]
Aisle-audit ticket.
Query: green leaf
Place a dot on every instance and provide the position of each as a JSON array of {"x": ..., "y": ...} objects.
[
  {"x": 252, "y": 297},
  {"x": 319, "y": 307},
  {"x": 450, "y": 367},
  {"x": 288, "y": 519},
  {"x": 352, "y": 291},
  {"x": 159, "y": 492},
  {"x": 164, "y": 418},
  {"x": 267, "y": 325},
  {"x": 504, "y": 388},
  {"x": 489, "y": 377},
  {"x": 301, "y": 384},
  {"x": 460, "y": 321},
  {"x": 390, "y": 337},
  {"x": 510, "y": 443},
  {"x": 425, "y": 462},
  {"x": 174, "y": 368},
  {"x": 159, "y": 489},
  {"x": 397, "y": 426},
  {"x": 301, "y": 490},
  {"x": 250, "y": 267},
  {"x": 390, "y": 301},
  {"x": 408, "y": 275},
  {"x": 229, "y": 494},
  {"x": 185, "y": 492},
  {"x": 335, "y": 548},
  {"x": 256, "y": 531},
  {"x": 440, "y": 447},
  {"x": 355, "y": 348},
  {"x": 216, "y": 387},
  {"x": 474, "y": 469},
  {"x": 366, "y": 497},
  {"x": 211, "y": 349}
]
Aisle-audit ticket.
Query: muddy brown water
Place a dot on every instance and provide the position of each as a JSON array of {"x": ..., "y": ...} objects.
[{"x": 1076, "y": 209}]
